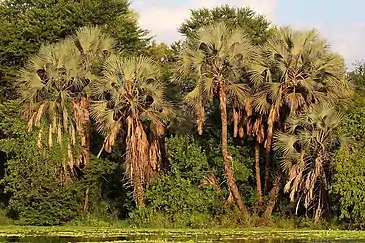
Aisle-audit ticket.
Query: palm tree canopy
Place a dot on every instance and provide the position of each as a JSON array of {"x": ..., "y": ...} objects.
[
  {"x": 130, "y": 87},
  {"x": 53, "y": 81},
  {"x": 216, "y": 53},
  {"x": 307, "y": 150},
  {"x": 297, "y": 69},
  {"x": 58, "y": 74}
]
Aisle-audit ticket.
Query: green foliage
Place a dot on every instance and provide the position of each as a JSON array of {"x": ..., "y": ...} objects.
[
  {"x": 256, "y": 26},
  {"x": 178, "y": 196},
  {"x": 26, "y": 25},
  {"x": 354, "y": 125},
  {"x": 242, "y": 163},
  {"x": 187, "y": 159},
  {"x": 33, "y": 179},
  {"x": 348, "y": 185}
]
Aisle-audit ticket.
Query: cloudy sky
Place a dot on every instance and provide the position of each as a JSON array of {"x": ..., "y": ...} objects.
[{"x": 341, "y": 22}]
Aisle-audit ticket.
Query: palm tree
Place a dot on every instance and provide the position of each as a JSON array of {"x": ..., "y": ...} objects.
[
  {"x": 307, "y": 148},
  {"x": 256, "y": 128},
  {"x": 130, "y": 98},
  {"x": 94, "y": 47},
  {"x": 54, "y": 88},
  {"x": 215, "y": 59},
  {"x": 45, "y": 88},
  {"x": 296, "y": 70},
  {"x": 54, "y": 85}
]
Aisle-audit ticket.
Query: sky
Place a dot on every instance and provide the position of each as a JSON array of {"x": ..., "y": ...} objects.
[{"x": 341, "y": 22}]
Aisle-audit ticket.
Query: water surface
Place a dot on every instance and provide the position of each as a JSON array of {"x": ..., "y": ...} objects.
[{"x": 165, "y": 238}]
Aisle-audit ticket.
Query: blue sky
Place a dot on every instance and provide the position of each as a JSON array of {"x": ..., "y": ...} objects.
[{"x": 341, "y": 22}]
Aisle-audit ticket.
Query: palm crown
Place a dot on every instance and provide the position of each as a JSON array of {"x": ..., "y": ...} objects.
[
  {"x": 54, "y": 81},
  {"x": 306, "y": 150},
  {"x": 216, "y": 53},
  {"x": 130, "y": 97}
]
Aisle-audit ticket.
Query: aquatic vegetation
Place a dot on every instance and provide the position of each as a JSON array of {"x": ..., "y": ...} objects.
[{"x": 89, "y": 234}]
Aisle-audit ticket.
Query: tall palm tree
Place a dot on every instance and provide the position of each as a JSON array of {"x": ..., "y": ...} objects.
[
  {"x": 45, "y": 88},
  {"x": 215, "y": 59},
  {"x": 130, "y": 99},
  {"x": 93, "y": 47},
  {"x": 256, "y": 128},
  {"x": 307, "y": 148},
  {"x": 54, "y": 87},
  {"x": 296, "y": 70}
]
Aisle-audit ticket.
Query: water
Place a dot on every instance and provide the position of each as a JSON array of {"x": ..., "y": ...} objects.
[{"x": 160, "y": 238}]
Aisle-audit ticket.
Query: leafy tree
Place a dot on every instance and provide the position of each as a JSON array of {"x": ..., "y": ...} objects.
[
  {"x": 130, "y": 98},
  {"x": 255, "y": 26},
  {"x": 37, "y": 193},
  {"x": 296, "y": 70},
  {"x": 347, "y": 191},
  {"x": 26, "y": 25},
  {"x": 214, "y": 60},
  {"x": 347, "y": 185},
  {"x": 307, "y": 147}
]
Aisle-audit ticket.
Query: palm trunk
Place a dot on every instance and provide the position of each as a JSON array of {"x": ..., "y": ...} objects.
[
  {"x": 85, "y": 133},
  {"x": 85, "y": 143},
  {"x": 268, "y": 144},
  {"x": 232, "y": 186},
  {"x": 258, "y": 172},
  {"x": 137, "y": 158},
  {"x": 138, "y": 188},
  {"x": 274, "y": 194}
]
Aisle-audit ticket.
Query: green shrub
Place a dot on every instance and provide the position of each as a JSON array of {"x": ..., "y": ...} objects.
[
  {"x": 4, "y": 219},
  {"x": 348, "y": 186},
  {"x": 177, "y": 199}
]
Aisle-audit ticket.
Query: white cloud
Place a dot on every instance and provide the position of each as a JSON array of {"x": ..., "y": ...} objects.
[
  {"x": 347, "y": 40},
  {"x": 163, "y": 17}
]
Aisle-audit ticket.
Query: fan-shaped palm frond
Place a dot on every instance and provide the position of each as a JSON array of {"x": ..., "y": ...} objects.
[
  {"x": 217, "y": 53},
  {"x": 295, "y": 70},
  {"x": 130, "y": 97},
  {"x": 216, "y": 60},
  {"x": 53, "y": 85},
  {"x": 307, "y": 148}
]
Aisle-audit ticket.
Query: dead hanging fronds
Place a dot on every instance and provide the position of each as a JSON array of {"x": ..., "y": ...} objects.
[
  {"x": 137, "y": 157},
  {"x": 211, "y": 180},
  {"x": 200, "y": 115},
  {"x": 237, "y": 120},
  {"x": 39, "y": 140},
  {"x": 128, "y": 93},
  {"x": 241, "y": 116},
  {"x": 156, "y": 132}
]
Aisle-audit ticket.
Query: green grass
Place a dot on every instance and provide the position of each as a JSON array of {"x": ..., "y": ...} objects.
[{"x": 183, "y": 234}]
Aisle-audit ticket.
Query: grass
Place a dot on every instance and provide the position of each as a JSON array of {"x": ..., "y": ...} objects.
[{"x": 183, "y": 234}]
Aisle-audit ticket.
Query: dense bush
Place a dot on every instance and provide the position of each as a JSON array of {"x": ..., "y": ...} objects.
[
  {"x": 179, "y": 198},
  {"x": 348, "y": 185},
  {"x": 349, "y": 178}
]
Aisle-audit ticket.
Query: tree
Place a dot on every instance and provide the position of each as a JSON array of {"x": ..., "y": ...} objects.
[
  {"x": 130, "y": 98},
  {"x": 54, "y": 89},
  {"x": 26, "y": 25},
  {"x": 255, "y": 26},
  {"x": 296, "y": 70},
  {"x": 349, "y": 171},
  {"x": 307, "y": 147},
  {"x": 214, "y": 60}
]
